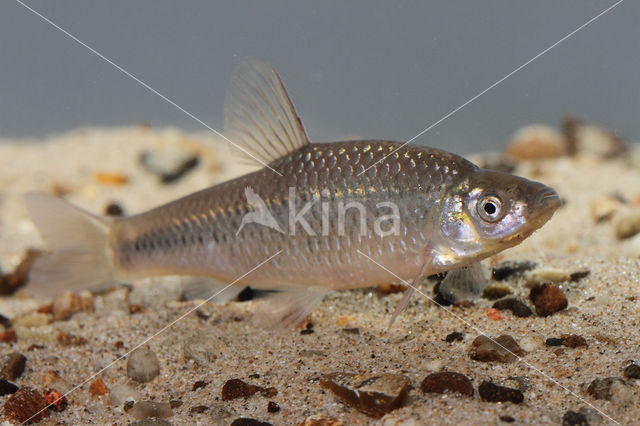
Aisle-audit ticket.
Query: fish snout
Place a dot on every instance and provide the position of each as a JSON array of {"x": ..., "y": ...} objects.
[{"x": 547, "y": 199}]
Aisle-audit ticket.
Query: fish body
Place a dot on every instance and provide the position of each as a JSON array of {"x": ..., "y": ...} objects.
[{"x": 333, "y": 212}]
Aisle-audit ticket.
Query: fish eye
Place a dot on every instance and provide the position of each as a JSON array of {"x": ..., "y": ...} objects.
[{"x": 490, "y": 208}]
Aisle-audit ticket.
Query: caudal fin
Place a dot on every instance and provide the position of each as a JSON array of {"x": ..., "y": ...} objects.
[{"x": 78, "y": 244}]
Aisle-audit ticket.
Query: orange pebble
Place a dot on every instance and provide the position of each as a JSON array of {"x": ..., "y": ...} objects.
[
  {"x": 98, "y": 387},
  {"x": 494, "y": 314},
  {"x": 108, "y": 178}
]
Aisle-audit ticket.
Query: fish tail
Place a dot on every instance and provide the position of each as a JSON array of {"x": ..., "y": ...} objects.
[{"x": 79, "y": 254}]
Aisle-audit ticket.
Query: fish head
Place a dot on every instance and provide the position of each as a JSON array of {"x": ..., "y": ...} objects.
[{"x": 491, "y": 211}]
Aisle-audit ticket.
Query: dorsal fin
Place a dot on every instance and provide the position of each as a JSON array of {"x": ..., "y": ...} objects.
[{"x": 258, "y": 114}]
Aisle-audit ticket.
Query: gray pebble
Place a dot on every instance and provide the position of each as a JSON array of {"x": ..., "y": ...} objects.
[
  {"x": 144, "y": 409},
  {"x": 143, "y": 365},
  {"x": 156, "y": 294},
  {"x": 204, "y": 348}
]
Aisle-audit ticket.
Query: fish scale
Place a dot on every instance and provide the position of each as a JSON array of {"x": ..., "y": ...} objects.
[{"x": 317, "y": 217}]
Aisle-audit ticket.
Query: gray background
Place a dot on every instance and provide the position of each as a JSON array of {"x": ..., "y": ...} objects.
[{"x": 372, "y": 69}]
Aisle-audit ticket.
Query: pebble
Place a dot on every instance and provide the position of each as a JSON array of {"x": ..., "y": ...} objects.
[
  {"x": 491, "y": 392},
  {"x": 511, "y": 269},
  {"x": 236, "y": 388},
  {"x": 122, "y": 393},
  {"x": 156, "y": 294},
  {"x": 13, "y": 366},
  {"x": 447, "y": 381},
  {"x": 198, "y": 409},
  {"x": 68, "y": 303},
  {"x": 611, "y": 389},
  {"x": 113, "y": 209},
  {"x": 571, "y": 418},
  {"x": 66, "y": 339},
  {"x": 391, "y": 288},
  {"x": 198, "y": 385},
  {"x": 7, "y": 388},
  {"x": 548, "y": 299},
  {"x": 546, "y": 275},
  {"x": 503, "y": 349},
  {"x": 515, "y": 305},
  {"x": 26, "y": 405},
  {"x": 553, "y": 341},
  {"x": 375, "y": 395},
  {"x": 144, "y": 409},
  {"x": 33, "y": 319},
  {"x": 507, "y": 419},
  {"x": 13, "y": 281},
  {"x": 273, "y": 407},
  {"x": 603, "y": 208},
  {"x": 55, "y": 399},
  {"x": 204, "y": 348},
  {"x": 143, "y": 365},
  {"x": 243, "y": 421},
  {"x": 169, "y": 164},
  {"x": 632, "y": 371},
  {"x": 319, "y": 420},
  {"x": 573, "y": 341},
  {"x": 628, "y": 226},
  {"x": 495, "y": 291},
  {"x": 98, "y": 388},
  {"x": 456, "y": 336},
  {"x": 152, "y": 422},
  {"x": 599, "y": 141},
  {"x": 536, "y": 141}
]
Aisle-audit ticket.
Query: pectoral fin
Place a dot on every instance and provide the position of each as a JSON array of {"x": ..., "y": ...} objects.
[{"x": 464, "y": 283}]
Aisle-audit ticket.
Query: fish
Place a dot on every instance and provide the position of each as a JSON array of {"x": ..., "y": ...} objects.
[{"x": 317, "y": 217}]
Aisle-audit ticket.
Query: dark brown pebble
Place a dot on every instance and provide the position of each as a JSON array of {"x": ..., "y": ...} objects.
[
  {"x": 236, "y": 388},
  {"x": 243, "y": 421},
  {"x": 113, "y": 209},
  {"x": 507, "y": 419},
  {"x": 13, "y": 367},
  {"x": 573, "y": 341},
  {"x": 273, "y": 407},
  {"x": 307, "y": 331},
  {"x": 198, "y": 409},
  {"x": 553, "y": 341},
  {"x": 548, "y": 299},
  {"x": 26, "y": 405},
  {"x": 351, "y": 330},
  {"x": 456, "y": 336},
  {"x": 571, "y": 418},
  {"x": 503, "y": 349},
  {"x": 516, "y": 306},
  {"x": 20, "y": 276},
  {"x": 175, "y": 403},
  {"x": 373, "y": 395},
  {"x": 199, "y": 384},
  {"x": 509, "y": 269},
  {"x": 447, "y": 381},
  {"x": 7, "y": 388},
  {"x": 493, "y": 393},
  {"x": 494, "y": 292},
  {"x": 601, "y": 388},
  {"x": 632, "y": 371}
]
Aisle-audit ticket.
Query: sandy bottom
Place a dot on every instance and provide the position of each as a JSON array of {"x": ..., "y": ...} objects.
[{"x": 604, "y": 307}]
